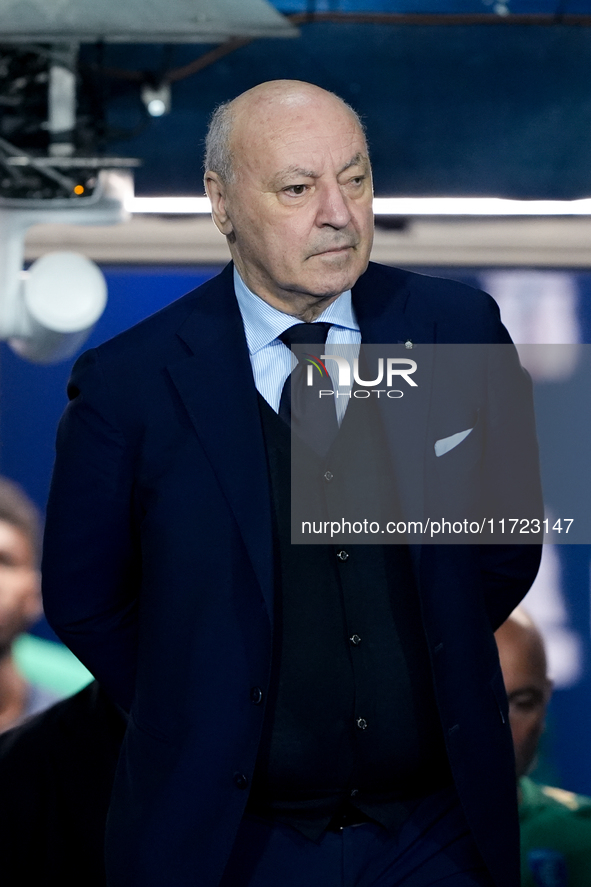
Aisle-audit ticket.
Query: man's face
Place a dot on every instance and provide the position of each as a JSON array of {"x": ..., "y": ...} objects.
[
  {"x": 20, "y": 602},
  {"x": 528, "y": 690},
  {"x": 298, "y": 212}
]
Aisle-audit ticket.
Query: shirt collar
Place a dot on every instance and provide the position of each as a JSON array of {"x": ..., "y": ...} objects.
[{"x": 263, "y": 323}]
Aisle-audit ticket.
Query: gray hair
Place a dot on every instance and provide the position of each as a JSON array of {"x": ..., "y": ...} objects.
[{"x": 218, "y": 153}]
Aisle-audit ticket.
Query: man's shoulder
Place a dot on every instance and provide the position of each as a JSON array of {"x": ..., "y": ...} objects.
[
  {"x": 556, "y": 802},
  {"x": 460, "y": 312},
  {"x": 555, "y": 834},
  {"x": 573, "y": 802},
  {"x": 136, "y": 359},
  {"x": 439, "y": 292},
  {"x": 156, "y": 332}
]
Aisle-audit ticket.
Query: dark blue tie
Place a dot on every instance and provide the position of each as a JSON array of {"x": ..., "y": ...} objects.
[{"x": 311, "y": 417}]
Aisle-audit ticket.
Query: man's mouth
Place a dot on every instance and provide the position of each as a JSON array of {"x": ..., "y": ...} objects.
[{"x": 334, "y": 250}]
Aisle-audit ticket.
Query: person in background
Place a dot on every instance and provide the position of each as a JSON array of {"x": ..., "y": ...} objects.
[
  {"x": 20, "y": 602},
  {"x": 555, "y": 824},
  {"x": 57, "y": 758}
]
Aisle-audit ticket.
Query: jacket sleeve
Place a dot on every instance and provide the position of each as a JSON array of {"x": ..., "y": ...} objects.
[
  {"x": 508, "y": 572},
  {"x": 514, "y": 494},
  {"x": 493, "y": 476},
  {"x": 91, "y": 564}
]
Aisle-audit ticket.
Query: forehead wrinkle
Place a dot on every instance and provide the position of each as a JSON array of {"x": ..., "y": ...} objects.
[
  {"x": 294, "y": 171},
  {"x": 358, "y": 159}
]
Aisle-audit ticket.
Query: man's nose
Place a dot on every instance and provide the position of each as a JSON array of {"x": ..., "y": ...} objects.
[{"x": 333, "y": 209}]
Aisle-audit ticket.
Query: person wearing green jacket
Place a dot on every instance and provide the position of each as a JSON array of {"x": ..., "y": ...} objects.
[{"x": 555, "y": 824}]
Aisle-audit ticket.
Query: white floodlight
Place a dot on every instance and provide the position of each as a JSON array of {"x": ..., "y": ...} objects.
[
  {"x": 48, "y": 312},
  {"x": 63, "y": 295}
]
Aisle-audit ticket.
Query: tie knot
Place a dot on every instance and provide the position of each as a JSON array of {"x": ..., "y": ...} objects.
[{"x": 305, "y": 334}]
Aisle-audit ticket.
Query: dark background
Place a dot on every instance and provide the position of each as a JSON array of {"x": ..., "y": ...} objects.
[{"x": 499, "y": 108}]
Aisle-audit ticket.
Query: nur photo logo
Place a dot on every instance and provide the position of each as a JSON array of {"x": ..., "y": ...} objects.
[{"x": 390, "y": 370}]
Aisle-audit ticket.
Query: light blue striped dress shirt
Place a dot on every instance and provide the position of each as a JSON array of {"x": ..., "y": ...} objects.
[{"x": 271, "y": 359}]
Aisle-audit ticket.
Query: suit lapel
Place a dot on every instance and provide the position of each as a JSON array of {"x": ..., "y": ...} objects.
[
  {"x": 386, "y": 314},
  {"x": 216, "y": 385}
]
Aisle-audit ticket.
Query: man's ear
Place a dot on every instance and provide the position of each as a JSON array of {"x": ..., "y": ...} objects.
[{"x": 216, "y": 191}]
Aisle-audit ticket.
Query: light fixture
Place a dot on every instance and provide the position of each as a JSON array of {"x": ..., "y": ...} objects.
[
  {"x": 63, "y": 296},
  {"x": 156, "y": 99},
  {"x": 395, "y": 206},
  {"x": 47, "y": 312}
]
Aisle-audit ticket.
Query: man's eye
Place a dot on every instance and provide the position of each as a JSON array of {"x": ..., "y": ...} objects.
[
  {"x": 523, "y": 705},
  {"x": 526, "y": 702},
  {"x": 298, "y": 190}
]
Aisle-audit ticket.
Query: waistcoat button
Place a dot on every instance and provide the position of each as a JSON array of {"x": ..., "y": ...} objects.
[
  {"x": 240, "y": 780},
  {"x": 256, "y": 695}
]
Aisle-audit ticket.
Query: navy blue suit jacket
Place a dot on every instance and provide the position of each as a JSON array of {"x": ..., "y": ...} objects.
[{"x": 158, "y": 574}]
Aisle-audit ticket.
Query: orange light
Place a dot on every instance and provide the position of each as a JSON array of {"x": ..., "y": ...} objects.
[{"x": 79, "y": 189}]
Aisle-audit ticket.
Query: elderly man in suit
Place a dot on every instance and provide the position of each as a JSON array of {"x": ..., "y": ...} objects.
[{"x": 298, "y": 714}]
